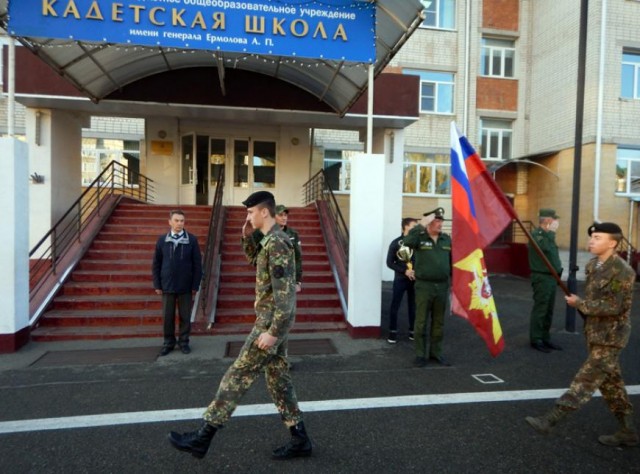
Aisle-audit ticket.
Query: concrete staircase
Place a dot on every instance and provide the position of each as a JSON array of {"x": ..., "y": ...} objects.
[
  {"x": 110, "y": 293},
  {"x": 318, "y": 304}
]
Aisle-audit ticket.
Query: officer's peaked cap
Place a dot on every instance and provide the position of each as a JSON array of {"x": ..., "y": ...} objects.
[
  {"x": 605, "y": 228},
  {"x": 438, "y": 211},
  {"x": 546, "y": 212},
  {"x": 258, "y": 198}
]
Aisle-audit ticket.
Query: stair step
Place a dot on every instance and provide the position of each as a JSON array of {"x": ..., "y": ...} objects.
[
  {"x": 303, "y": 300},
  {"x": 249, "y": 275},
  {"x": 103, "y": 275},
  {"x": 238, "y": 288},
  {"x": 107, "y": 302},
  {"x": 112, "y": 288},
  {"x": 84, "y": 318},
  {"x": 227, "y": 315}
]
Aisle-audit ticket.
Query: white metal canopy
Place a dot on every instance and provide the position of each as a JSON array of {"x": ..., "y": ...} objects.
[{"x": 99, "y": 69}]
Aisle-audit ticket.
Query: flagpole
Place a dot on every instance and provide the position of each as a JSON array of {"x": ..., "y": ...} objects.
[{"x": 544, "y": 258}]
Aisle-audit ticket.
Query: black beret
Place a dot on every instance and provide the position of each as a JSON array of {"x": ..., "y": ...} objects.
[
  {"x": 258, "y": 198},
  {"x": 438, "y": 211},
  {"x": 605, "y": 228}
]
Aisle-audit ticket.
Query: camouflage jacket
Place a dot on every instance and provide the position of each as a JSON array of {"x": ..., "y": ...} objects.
[
  {"x": 607, "y": 302},
  {"x": 250, "y": 247},
  {"x": 275, "y": 282}
]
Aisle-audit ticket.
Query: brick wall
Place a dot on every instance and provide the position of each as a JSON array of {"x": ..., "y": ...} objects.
[
  {"x": 501, "y": 14},
  {"x": 497, "y": 94}
]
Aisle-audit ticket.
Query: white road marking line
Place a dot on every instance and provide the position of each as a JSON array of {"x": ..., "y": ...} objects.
[{"x": 113, "y": 419}]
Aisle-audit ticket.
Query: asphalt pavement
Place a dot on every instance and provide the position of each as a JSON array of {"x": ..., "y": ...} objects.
[{"x": 368, "y": 410}]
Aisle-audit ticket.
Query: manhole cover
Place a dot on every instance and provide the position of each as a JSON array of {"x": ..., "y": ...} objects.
[
  {"x": 100, "y": 356},
  {"x": 297, "y": 347}
]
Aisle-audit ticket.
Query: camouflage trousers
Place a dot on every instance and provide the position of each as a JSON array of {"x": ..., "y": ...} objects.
[
  {"x": 249, "y": 364},
  {"x": 600, "y": 371}
]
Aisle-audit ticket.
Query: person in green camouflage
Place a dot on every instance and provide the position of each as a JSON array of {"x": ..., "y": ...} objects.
[
  {"x": 543, "y": 283},
  {"x": 265, "y": 348},
  {"x": 282, "y": 216},
  {"x": 606, "y": 308},
  {"x": 432, "y": 273}
]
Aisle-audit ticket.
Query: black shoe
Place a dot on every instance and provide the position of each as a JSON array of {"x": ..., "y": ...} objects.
[
  {"x": 393, "y": 337},
  {"x": 185, "y": 348},
  {"x": 551, "y": 345},
  {"x": 440, "y": 360},
  {"x": 539, "y": 346},
  {"x": 195, "y": 442},
  {"x": 419, "y": 362},
  {"x": 298, "y": 446},
  {"x": 165, "y": 350},
  {"x": 411, "y": 338}
]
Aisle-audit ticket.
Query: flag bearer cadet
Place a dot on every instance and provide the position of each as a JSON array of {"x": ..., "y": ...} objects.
[
  {"x": 265, "y": 348},
  {"x": 544, "y": 284},
  {"x": 432, "y": 273},
  {"x": 606, "y": 308}
]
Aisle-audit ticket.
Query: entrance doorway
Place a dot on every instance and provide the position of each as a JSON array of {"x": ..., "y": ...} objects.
[
  {"x": 202, "y": 158},
  {"x": 254, "y": 167}
]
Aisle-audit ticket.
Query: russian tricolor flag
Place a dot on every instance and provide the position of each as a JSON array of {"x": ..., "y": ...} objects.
[{"x": 480, "y": 213}]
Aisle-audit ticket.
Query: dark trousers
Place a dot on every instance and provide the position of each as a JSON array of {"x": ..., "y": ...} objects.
[
  {"x": 169, "y": 301},
  {"x": 431, "y": 302},
  {"x": 400, "y": 286},
  {"x": 544, "y": 300}
]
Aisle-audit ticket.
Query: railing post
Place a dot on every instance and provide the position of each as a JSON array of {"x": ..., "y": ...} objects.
[
  {"x": 54, "y": 250},
  {"x": 80, "y": 221}
]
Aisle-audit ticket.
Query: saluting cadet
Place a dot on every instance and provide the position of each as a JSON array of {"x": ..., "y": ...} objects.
[
  {"x": 543, "y": 283},
  {"x": 265, "y": 348},
  {"x": 432, "y": 273},
  {"x": 606, "y": 308}
]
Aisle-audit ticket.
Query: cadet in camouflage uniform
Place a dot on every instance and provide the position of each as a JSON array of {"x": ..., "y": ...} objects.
[
  {"x": 282, "y": 215},
  {"x": 432, "y": 273},
  {"x": 543, "y": 283},
  {"x": 264, "y": 350},
  {"x": 606, "y": 308}
]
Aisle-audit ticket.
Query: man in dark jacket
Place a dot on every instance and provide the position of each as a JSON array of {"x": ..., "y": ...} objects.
[
  {"x": 401, "y": 262},
  {"x": 177, "y": 271}
]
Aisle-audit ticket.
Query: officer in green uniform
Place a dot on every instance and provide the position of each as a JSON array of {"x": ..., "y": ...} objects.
[
  {"x": 282, "y": 216},
  {"x": 543, "y": 283},
  {"x": 432, "y": 252},
  {"x": 265, "y": 348},
  {"x": 606, "y": 309}
]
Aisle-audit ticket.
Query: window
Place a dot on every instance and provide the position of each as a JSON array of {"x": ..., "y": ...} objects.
[
  {"x": 436, "y": 91},
  {"x": 439, "y": 14},
  {"x": 426, "y": 174},
  {"x": 628, "y": 171},
  {"x": 631, "y": 75},
  {"x": 97, "y": 153},
  {"x": 497, "y": 58},
  {"x": 496, "y": 139},
  {"x": 337, "y": 168}
]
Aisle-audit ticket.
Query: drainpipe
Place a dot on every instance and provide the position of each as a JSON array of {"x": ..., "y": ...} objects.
[
  {"x": 11, "y": 76},
  {"x": 467, "y": 47},
  {"x": 598, "y": 157}
]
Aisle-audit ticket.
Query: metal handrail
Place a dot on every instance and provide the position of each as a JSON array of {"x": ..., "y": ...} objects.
[
  {"x": 49, "y": 256},
  {"x": 334, "y": 228},
  {"x": 208, "y": 294}
]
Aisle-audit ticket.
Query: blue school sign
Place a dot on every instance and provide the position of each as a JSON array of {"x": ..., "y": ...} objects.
[{"x": 329, "y": 29}]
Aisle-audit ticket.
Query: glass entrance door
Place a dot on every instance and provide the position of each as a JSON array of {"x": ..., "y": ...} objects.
[
  {"x": 188, "y": 171},
  {"x": 254, "y": 167}
]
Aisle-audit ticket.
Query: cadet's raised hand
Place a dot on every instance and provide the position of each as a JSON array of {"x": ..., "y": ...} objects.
[
  {"x": 426, "y": 220},
  {"x": 246, "y": 232}
]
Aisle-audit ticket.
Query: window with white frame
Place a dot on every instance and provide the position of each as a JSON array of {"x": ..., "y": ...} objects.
[
  {"x": 630, "y": 75},
  {"x": 426, "y": 174},
  {"x": 337, "y": 168},
  {"x": 436, "y": 91},
  {"x": 97, "y": 153},
  {"x": 497, "y": 59},
  {"x": 496, "y": 139},
  {"x": 440, "y": 14},
  {"x": 628, "y": 171}
]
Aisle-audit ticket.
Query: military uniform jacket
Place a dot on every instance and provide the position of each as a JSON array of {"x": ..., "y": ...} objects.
[
  {"x": 607, "y": 302},
  {"x": 546, "y": 240},
  {"x": 295, "y": 240},
  {"x": 275, "y": 283},
  {"x": 433, "y": 259},
  {"x": 250, "y": 246}
]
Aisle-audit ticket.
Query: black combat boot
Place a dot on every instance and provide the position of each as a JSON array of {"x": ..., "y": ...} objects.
[
  {"x": 625, "y": 436},
  {"x": 543, "y": 424},
  {"x": 298, "y": 446},
  {"x": 195, "y": 442}
]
